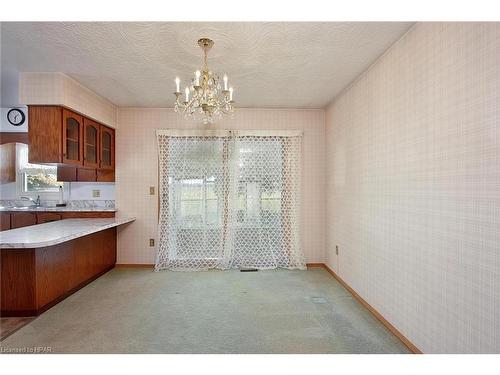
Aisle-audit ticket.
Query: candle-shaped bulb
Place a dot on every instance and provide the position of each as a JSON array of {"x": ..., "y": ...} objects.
[
  {"x": 177, "y": 84},
  {"x": 231, "y": 94},
  {"x": 225, "y": 82},
  {"x": 187, "y": 94},
  {"x": 197, "y": 80}
]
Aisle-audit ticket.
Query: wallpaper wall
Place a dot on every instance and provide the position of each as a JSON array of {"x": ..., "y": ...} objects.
[
  {"x": 72, "y": 191},
  {"x": 137, "y": 170},
  {"x": 60, "y": 89},
  {"x": 413, "y": 186}
]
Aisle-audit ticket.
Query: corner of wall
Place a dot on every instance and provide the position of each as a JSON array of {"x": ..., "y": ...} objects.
[{"x": 56, "y": 88}]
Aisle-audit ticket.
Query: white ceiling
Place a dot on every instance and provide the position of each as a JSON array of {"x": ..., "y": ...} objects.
[{"x": 294, "y": 65}]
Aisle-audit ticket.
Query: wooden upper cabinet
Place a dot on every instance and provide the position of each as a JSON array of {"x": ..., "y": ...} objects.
[
  {"x": 107, "y": 147},
  {"x": 105, "y": 175},
  {"x": 91, "y": 143},
  {"x": 60, "y": 136},
  {"x": 86, "y": 174},
  {"x": 45, "y": 134},
  {"x": 72, "y": 133},
  {"x": 8, "y": 162}
]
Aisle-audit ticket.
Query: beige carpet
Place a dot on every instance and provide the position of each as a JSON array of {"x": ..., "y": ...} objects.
[{"x": 139, "y": 311}]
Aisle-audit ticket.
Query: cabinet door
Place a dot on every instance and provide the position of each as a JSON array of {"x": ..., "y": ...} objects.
[
  {"x": 105, "y": 175},
  {"x": 86, "y": 214},
  {"x": 45, "y": 132},
  {"x": 8, "y": 163},
  {"x": 72, "y": 138},
  {"x": 91, "y": 143},
  {"x": 46, "y": 217},
  {"x": 4, "y": 221},
  {"x": 22, "y": 219},
  {"x": 84, "y": 174},
  {"x": 66, "y": 174},
  {"x": 107, "y": 147}
]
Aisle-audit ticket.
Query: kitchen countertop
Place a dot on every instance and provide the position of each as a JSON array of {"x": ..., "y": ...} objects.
[
  {"x": 56, "y": 232},
  {"x": 57, "y": 209}
]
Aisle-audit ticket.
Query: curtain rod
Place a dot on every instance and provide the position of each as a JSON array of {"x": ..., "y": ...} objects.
[{"x": 228, "y": 133}]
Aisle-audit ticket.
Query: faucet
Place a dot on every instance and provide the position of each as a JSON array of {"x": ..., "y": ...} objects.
[{"x": 36, "y": 202}]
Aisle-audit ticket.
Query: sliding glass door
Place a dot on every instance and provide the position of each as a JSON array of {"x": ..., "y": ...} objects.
[
  {"x": 257, "y": 228},
  {"x": 194, "y": 191},
  {"x": 229, "y": 201}
]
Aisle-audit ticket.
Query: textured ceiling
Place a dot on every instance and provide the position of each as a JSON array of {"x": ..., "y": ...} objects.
[{"x": 295, "y": 65}]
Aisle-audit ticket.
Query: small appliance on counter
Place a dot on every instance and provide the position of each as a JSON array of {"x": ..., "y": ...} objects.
[{"x": 61, "y": 198}]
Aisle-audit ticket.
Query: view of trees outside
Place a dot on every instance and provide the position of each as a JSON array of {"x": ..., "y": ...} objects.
[
  {"x": 199, "y": 204},
  {"x": 37, "y": 177},
  {"x": 43, "y": 180}
]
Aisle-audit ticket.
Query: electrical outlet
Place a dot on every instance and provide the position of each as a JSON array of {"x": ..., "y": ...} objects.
[
  {"x": 151, "y": 190},
  {"x": 337, "y": 249},
  {"x": 96, "y": 193},
  {"x": 151, "y": 242}
]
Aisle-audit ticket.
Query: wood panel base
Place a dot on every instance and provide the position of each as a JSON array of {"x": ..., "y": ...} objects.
[
  {"x": 35, "y": 312},
  {"x": 34, "y": 280},
  {"x": 370, "y": 308},
  {"x": 10, "y": 326}
]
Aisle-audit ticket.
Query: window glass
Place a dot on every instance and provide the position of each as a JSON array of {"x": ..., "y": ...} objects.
[
  {"x": 212, "y": 211},
  {"x": 198, "y": 201},
  {"x": 260, "y": 184},
  {"x": 36, "y": 178}
]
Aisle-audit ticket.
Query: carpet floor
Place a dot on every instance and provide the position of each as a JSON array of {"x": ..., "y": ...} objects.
[{"x": 140, "y": 311}]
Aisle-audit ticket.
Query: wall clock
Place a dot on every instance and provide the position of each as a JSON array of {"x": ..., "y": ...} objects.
[{"x": 16, "y": 117}]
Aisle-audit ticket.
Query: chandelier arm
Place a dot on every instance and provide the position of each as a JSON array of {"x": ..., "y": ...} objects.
[{"x": 210, "y": 100}]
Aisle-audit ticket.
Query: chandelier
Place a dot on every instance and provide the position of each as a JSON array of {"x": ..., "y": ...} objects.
[{"x": 206, "y": 98}]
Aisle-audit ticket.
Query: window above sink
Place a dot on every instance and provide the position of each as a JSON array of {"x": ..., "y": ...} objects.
[{"x": 35, "y": 179}]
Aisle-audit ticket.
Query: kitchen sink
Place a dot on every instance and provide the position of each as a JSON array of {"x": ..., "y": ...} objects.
[{"x": 3, "y": 208}]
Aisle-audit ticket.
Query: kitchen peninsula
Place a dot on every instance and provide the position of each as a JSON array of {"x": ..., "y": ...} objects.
[{"x": 45, "y": 263}]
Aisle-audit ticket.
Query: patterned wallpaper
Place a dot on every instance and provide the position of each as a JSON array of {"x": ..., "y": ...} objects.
[
  {"x": 60, "y": 89},
  {"x": 137, "y": 170},
  {"x": 413, "y": 186}
]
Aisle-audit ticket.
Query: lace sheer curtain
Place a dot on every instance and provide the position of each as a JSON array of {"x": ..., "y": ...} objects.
[{"x": 229, "y": 199}]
